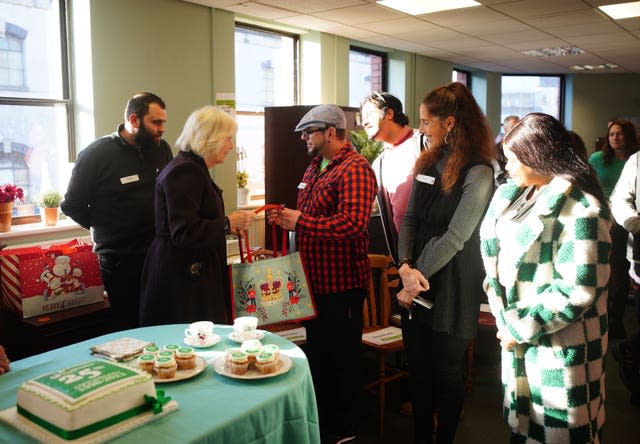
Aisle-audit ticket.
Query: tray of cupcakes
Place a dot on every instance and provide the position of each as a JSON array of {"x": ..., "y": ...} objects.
[
  {"x": 170, "y": 363},
  {"x": 252, "y": 360}
]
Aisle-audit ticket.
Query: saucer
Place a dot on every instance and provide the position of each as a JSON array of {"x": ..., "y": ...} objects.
[
  {"x": 259, "y": 334},
  {"x": 191, "y": 342}
]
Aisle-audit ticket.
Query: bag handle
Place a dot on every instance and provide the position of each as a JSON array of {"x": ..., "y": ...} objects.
[{"x": 274, "y": 236}]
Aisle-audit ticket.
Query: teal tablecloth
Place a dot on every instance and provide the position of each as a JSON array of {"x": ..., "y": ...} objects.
[{"x": 213, "y": 408}]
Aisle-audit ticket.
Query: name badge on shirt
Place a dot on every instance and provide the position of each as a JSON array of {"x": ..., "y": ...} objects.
[
  {"x": 129, "y": 179},
  {"x": 425, "y": 179},
  {"x": 302, "y": 185}
]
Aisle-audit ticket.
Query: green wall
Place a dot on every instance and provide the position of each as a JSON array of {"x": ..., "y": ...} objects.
[
  {"x": 598, "y": 99},
  {"x": 162, "y": 46}
]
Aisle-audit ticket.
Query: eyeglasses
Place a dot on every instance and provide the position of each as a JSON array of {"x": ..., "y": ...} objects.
[{"x": 307, "y": 133}]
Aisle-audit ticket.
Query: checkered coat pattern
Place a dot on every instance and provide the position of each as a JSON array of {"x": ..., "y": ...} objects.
[{"x": 554, "y": 305}]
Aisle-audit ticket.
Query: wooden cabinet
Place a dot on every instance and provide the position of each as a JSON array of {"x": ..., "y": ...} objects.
[{"x": 285, "y": 153}]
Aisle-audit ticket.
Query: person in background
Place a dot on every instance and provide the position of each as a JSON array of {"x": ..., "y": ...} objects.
[
  {"x": 499, "y": 171},
  {"x": 608, "y": 163},
  {"x": 331, "y": 227},
  {"x": 439, "y": 251},
  {"x": 384, "y": 120},
  {"x": 184, "y": 278},
  {"x": 578, "y": 145},
  {"x": 4, "y": 361},
  {"x": 111, "y": 192},
  {"x": 545, "y": 243},
  {"x": 625, "y": 208}
]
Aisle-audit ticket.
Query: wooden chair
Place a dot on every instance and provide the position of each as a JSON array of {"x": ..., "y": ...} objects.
[
  {"x": 376, "y": 316},
  {"x": 485, "y": 321}
]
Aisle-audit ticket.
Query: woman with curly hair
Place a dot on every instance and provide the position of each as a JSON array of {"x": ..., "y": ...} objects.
[
  {"x": 545, "y": 245},
  {"x": 439, "y": 254},
  {"x": 608, "y": 163}
]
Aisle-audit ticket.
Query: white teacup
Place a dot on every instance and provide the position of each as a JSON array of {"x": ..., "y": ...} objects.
[
  {"x": 201, "y": 331},
  {"x": 245, "y": 326}
]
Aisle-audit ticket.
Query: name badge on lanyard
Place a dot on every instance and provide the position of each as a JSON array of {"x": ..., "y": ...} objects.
[
  {"x": 425, "y": 179},
  {"x": 302, "y": 185},
  {"x": 129, "y": 179}
]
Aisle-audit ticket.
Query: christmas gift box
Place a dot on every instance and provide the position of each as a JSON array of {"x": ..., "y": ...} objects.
[{"x": 38, "y": 280}]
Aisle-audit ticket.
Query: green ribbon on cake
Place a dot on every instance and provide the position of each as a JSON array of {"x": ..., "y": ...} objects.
[
  {"x": 157, "y": 403},
  {"x": 151, "y": 403}
]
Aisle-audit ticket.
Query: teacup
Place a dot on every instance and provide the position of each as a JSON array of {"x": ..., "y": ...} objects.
[
  {"x": 201, "y": 331},
  {"x": 245, "y": 326}
]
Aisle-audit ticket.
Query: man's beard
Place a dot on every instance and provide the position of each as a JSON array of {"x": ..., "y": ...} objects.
[
  {"x": 144, "y": 138},
  {"x": 313, "y": 151}
]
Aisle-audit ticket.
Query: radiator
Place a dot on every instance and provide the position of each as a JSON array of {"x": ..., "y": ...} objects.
[{"x": 256, "y": 232}]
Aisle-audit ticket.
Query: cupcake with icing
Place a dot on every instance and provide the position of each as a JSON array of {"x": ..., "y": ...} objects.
[
  {"x": 271, "y": 348},
  {"x": 150, "y": 350},
  {"x": 237, "y": 362},
  {"x": 266, "y": 362},
  {"x": 165, "y": 353},
  {"x": 185, "y": 358},
  {"x": 252, "y": 348},
  {"x": 165, "y": 367},
  {"x": 171, "y": 347},
  {"x": 146, "y": 362}
]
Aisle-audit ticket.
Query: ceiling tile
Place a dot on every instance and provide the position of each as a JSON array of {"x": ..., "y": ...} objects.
[
  {"x": 311, "y": 6},
  {"x": 361, "y": 14}
]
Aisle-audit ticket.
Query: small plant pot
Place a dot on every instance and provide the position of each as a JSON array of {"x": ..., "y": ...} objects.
[
  {"x": 6, "y": 212},
  {"x": 243, "y": 196},
  {"x": 51, "y": 216}
]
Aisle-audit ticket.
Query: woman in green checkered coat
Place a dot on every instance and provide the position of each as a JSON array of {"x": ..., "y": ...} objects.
[{"x": 545, "y": 246}]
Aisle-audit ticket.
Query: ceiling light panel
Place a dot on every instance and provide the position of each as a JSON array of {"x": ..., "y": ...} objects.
[
  {"x": 621, "y": 10},
  {"x": 419, "y": 7}
]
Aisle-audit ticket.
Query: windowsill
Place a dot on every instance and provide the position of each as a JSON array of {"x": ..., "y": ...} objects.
[
  {"x": 252, "y": 205},
  {"x": 18, "y": 231}
]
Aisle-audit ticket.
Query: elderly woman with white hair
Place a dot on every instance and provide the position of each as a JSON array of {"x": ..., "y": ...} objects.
[{"x": 184, "y": 277}]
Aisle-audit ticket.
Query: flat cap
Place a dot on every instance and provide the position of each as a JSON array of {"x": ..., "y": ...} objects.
[{"x": 323, "y": 116}]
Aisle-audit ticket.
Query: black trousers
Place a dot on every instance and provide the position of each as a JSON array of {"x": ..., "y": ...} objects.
[
  {"x": 333, "y": 344},
  {"x": 619, "y": 284},
  {"x": 436, "y": 374},
  {"x": 121, "y": 276}
]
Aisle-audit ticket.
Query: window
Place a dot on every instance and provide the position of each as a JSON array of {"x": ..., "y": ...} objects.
[
  {"x": 11, "y": 57},
  {"x": 266, "y": 65},
  {"x": 527, "y": 94},
  {"x": 34, "y": 98},
  {"x": 367, "y": 73},
  {"x": 463, "y": 77}
]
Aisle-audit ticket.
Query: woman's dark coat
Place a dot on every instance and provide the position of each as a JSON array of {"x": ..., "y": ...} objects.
[{"x": 184, "y": 278}]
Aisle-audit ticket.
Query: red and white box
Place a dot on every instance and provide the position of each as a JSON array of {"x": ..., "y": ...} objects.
[{"x": 38, "y": 280}]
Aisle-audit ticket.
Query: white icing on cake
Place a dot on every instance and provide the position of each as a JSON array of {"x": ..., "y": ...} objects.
[{"x": 85, "y": 394}]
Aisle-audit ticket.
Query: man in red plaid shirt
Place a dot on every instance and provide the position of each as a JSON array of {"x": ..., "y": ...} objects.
[{"x": 331, "y": 226}]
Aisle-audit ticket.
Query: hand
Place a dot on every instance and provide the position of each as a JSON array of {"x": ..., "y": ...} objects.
[
  {"x": 241, "y": 220},
  {"x": 272, "y": 215},
  {"x": 288, "y": 218},
  {"x": 506, "y": 340},
  {"x": 4, "y": 361},
  {"x": 413, "y": 280},
  {"x": 405, "y": 299}
]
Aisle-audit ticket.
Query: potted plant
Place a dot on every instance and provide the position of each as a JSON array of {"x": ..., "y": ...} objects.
[
  {"x": 242, "y": 179},
  {"x": 50, "y": 203},
  {"x": 370, "y": 149},
  {"x": 8, "y": 195}
]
